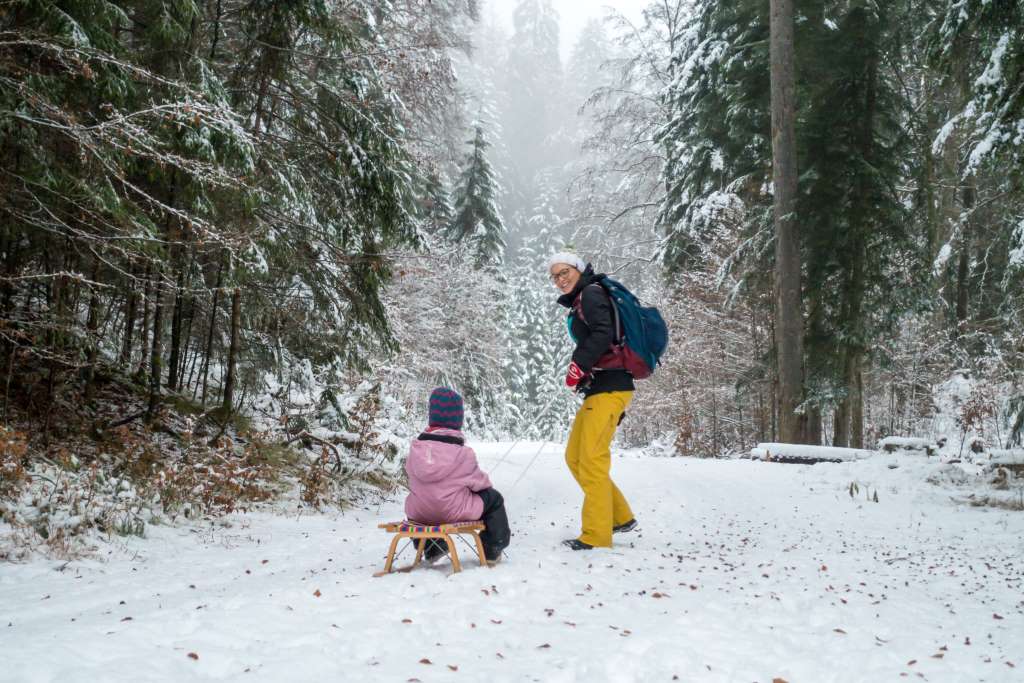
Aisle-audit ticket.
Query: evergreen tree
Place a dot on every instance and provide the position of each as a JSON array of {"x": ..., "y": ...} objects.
[
  {"x": 534, "y": 73},
  {"x": 436, "y": 205},
  {"x": 849, "y": 210},
  {"x": 537, "y": 347},
  {"x": 477, "y": 220},
  {"x": 157, "y": 154},
  {"x": 986, "y": 37},
  {"x": 978, "y": 50}
]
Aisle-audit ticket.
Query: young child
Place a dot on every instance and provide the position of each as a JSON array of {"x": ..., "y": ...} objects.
[{"x": 447, "y": 485}]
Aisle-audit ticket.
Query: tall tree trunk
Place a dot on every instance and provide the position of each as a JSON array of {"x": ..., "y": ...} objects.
[
  {"x": 857, "y": 405},
  {"x": 236, "y": 322},
  {"x": 156, "y": 363},
  {"x": 963, "y": 272},
  {"x": 854, "y": 383},
  {"x": 216, "y": 31},
  {"x": 209, "y": 332},
  {"x": 841, "y": 421},
  {"x": 147, "y": 296},
  {"x": 191, "y": 305},
  {"x": 57, "y": 296},
  {"x": 192, "y": 369},
  {"x": 92, "y": 340},
  {"x": 850, "y": 415},
  {"x": 789, "y": 327},
  {"x": 814, "y": 426},
  {"x": 175, "y": 355},
  {"x": 762, "y": 417},
  {"x": 129, "y": 323},
  {"x": 10, "y": 251}
]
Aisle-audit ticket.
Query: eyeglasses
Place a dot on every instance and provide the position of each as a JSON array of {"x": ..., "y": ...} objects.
[{"x": 561, "y": 275}]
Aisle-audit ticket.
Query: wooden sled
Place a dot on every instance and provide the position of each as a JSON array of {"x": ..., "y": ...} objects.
[{"x": 441, "y": 532}]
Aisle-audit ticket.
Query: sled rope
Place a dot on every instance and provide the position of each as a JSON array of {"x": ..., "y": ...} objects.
[
  {"x": 527, "y": 468},
  {"x": 515, "y": 443}
]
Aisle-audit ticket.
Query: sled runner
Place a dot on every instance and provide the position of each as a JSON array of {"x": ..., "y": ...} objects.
[{"x": 440, "y": 532}]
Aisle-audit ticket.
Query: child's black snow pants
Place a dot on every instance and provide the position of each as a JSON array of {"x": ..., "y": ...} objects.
[{"x": 497, "y": 536}]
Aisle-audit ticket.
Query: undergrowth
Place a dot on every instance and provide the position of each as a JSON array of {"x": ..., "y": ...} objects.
[{"x": 69, "y": 480}]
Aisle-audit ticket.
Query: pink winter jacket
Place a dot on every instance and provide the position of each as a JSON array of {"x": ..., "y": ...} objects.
[{"x": 442, "y": 479}]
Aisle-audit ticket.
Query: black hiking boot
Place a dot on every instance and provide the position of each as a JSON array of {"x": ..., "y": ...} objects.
[
  {"x": 624, "y": 527},
  {"x": 577, "y": 544}
]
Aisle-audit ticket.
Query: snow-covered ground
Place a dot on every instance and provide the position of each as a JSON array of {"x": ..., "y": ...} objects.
[{"x": 743, "y": 571}]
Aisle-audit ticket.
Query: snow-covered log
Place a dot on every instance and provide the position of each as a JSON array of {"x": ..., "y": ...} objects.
[
  {"x": 800, "y": 453},
  {"x": 895, "y": 444},
  {"x": 1011, "y": 459}
]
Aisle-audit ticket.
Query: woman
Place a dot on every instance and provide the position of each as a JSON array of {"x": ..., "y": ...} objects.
[{"x": 595, "y": 371}]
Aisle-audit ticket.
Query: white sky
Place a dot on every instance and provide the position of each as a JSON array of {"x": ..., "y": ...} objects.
[{"x": 573, "y": 14}]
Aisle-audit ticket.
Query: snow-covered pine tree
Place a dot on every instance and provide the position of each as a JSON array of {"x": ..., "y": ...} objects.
[
  {"x": 985, "y": 39},
  {"x": 436, "y": 208},
  {"x": 537, "y": 346},
  {"x": 978, "y": 50},
  {"x": 534, "y": 73},
  {"x": 856, "y": 239},
  {"x": 477, "y": 221},
  {"x": 717, "y": 177}
]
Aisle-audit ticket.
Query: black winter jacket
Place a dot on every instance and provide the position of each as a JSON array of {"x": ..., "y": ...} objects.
[{"x": 594, "y": 335}]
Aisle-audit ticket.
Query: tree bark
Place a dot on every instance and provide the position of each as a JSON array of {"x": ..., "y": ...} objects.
[
  {"x": 156, "y": 365},
  {"x": 841, "y": 420},
  {"x": 857, "y": 405},
  {"x": 57, "y": 295},
  {"x": 236, "y": 321},
  {"x": 144, "y": 339},
  {"x": 209, "y": 334},
  {"x": 10, "y": 250},
  {"x": 814, "y": 427},
  {"x": 129, "y": 323},
  {"x": 858, "y": 284},
  {"x": 788, "y": 304},
  {"x": 92, "y": 340},
  {"x": 216, "y": 31},
  {"x": 175, "y": 355},
  {"x": 963, "y": 272},
  {"x": 191, "y": 304}
]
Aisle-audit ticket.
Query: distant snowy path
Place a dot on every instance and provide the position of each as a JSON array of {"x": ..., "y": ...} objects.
[{"x": 743, "y": 571}]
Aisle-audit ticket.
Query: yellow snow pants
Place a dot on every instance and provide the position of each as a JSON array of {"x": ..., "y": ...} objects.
[{"x": 588, "y": 455}]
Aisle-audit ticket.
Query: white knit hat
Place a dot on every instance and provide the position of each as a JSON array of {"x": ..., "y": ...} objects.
[{"x": 568, "y": 259}]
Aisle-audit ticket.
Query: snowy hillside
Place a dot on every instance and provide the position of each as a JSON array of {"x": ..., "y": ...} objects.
[{"x": 742, "y": 571}]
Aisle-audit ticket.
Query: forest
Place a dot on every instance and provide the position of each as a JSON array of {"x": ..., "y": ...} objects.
[{"x": 242, "y": 240}]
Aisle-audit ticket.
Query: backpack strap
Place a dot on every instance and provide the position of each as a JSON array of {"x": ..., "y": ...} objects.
[{"x": 618, "y": 338}]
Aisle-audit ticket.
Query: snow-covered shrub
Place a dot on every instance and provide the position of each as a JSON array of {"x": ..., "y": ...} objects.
[
  {"x": 13, "y": 474},
  {"x": 975, "y": 412},
  {"x": 315, "y": 484}
]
